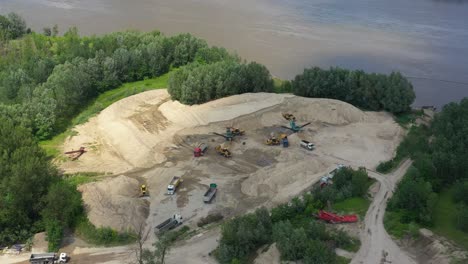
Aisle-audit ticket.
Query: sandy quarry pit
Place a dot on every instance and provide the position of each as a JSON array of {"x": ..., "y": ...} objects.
[{"x": 147, "y": 138}]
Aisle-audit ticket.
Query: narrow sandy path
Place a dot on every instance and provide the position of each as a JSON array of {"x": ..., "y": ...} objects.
[{"x": 377, "y": 246}]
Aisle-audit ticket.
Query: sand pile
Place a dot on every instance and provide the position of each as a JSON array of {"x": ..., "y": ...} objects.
[
  {"x": 149, "y": 130},
  {"x": 114, "y": 203}
]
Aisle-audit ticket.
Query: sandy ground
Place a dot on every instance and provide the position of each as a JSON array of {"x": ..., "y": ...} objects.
[
  {"x": 376, "y": 245},
  {"x": 147, "y": 138}
]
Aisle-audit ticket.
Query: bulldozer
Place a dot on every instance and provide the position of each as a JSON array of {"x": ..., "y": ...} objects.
[
  {"x": 143, "y": 191},
  {"x": 223, "y": 151},
  {"x": 274, "y": 141}
]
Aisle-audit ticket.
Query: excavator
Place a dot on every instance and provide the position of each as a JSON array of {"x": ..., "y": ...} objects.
[
  {"x": 274, "y": 141},
  {"x": 223, "y": 151},
  {"x": 231, "y": 132}
]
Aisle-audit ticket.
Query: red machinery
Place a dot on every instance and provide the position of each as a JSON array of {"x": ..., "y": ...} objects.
[
  {"x": 200, "y": 150},
  {"x": 75, "y": 154},
  {"x": 334, "y": 218}
]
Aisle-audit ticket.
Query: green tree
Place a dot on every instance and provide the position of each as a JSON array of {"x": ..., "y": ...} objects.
[
  {"x": 289, "y": 241},
  {"x": 318, "y": 253}
]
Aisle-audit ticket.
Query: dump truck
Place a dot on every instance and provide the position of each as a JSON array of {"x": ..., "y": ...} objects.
[
  {"x": 307, "y": 145},
  {"x": 200, "y": 150},
  {"x": 169, "y": 224},
  {"x": 210, "y": 193},
  {"x": 48, "y": 258},
  {"x": 175, "y": 182}
]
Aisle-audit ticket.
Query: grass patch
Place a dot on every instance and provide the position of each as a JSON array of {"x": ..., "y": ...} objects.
[
  {"x": 102, "y": 236},
  {"x": 128, "y": 89},
  {"x": 407, "y": 118},
  {"x": 356, "y": 205},
  {"x": 444, "y": 219},
  {"x": 52, "y": 146},
  {"x": 342, "y": 260},
  {"x": 395, "y": 227},
  {"x": 78, "y": 179}
]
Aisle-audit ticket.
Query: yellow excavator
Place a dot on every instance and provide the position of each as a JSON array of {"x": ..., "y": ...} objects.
[
  {"x": 223, "y": 151},
  {"x": 274, "y": 141}
]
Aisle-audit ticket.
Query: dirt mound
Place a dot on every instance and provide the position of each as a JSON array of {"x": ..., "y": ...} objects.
[{"x": 114, "y": 203}]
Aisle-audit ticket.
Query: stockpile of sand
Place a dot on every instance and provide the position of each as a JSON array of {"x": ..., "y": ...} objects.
[{"x": 114, "y": 203}]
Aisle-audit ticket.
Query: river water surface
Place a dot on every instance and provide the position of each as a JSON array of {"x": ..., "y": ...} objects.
[{"x": 427, "y": 40}]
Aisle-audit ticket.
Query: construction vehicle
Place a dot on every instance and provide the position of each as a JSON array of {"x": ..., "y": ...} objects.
[
  {"x": 169, "y": 224},
  {"x": 210, "y": 193},
  {"x": 293, "y": 127},
  {"x": 272, "y": 141},
  {"x": 75, "y": 154},
  {"x": 231, "y": 132},
  {"x": 223, "y": 151},
  {"x": 307, "y": 145},
  {"x": 236, "y": 131},
  {"x": 336, "y": 219},
  {"x": 288, "y": 116},
  {"x": 200, "y": 150},
  {"x": 284, "y": 140},
  {"x": 143, "y": 191},
  {"x": 48, "y": 258},
  {"x": 175, "y": 182}
]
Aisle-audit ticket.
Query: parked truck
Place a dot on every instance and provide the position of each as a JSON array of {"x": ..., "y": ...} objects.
[
  {"x": 169, "y": 224},
  {"x": 175, "y": 182},
  {"x": 210, "y": 193},
  {"x": 307, "y": 145},
  {"x": 48, "y": 258}
]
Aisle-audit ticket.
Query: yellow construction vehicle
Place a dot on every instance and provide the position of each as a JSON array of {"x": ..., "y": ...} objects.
[
  {"x": 143, "y": 191},
  {"x": 223, "y": 151},
  {"x": 272, "y": 141},
  {"x": 236, "y": 131},
  {"x": 288, "y": 116}
]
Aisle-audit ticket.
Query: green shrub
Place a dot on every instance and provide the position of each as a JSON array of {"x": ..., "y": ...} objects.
[
  {"x": 210, "y": 219},
  {"x": 105, "y": 236}
]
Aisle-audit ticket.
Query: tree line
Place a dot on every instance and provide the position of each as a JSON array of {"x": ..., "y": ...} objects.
[
  {"x": 33, "y": 197},
  {"x": 376, "y": 92},
  {"x": 46, "y": 80},
  {"x": 12, "y": 26},
  {"x": 439, "y": 163}
]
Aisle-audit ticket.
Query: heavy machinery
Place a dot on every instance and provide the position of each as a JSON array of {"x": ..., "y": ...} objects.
[
  {"x": 336, "y": 219},
  {"x": 274, "y": 141},
  {"x": 288, "y": 116},
  {"x": 231, "y": 132},
  {"x": 169, "y": 224},
  {"x": 172, "y": 187},
  {"x": 143, "y": 191},
  {"x": 48, "y": 258},
  {"x": 293, "y": 127},
  {"x": 75, "y": 154},
  {"x": 200, "y": 150},
  {"x": 210, "y": 193},
  {"x": 223, "y": 151}
]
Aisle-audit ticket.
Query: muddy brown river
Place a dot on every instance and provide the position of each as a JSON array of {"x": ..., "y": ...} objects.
[{"x": 427, "y": 40}]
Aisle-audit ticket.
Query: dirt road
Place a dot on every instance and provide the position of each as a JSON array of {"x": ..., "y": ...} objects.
[{"x": 377, "y": 246}]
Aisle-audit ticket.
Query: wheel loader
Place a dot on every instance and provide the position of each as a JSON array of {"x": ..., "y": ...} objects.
[
  {"x": 223, "y": 151},
  {"x": 143, "y": 191}
]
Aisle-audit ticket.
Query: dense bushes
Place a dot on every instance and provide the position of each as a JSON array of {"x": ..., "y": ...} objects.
[
  {"x": 393, "y": 93},
  {"x": 291, "y": 226},
  {"x": 197, "y": 84},
  {"x": 12, "y": 26},
  {"x": 46, "y": 80},
  {"x": 105, "y": 236},
  {"x": 439, "y": 163}
]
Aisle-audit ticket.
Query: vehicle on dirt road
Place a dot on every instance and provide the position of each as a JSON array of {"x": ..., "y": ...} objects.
[
  {"x": 48, "y": 258},
  {"x": 210, "y": 193},
  {"x": 307, "y": 145},
  {"x": 169, "y": 224},
  {"x": 200, "y": 150},
  {"x": 172, "y": 187}
]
